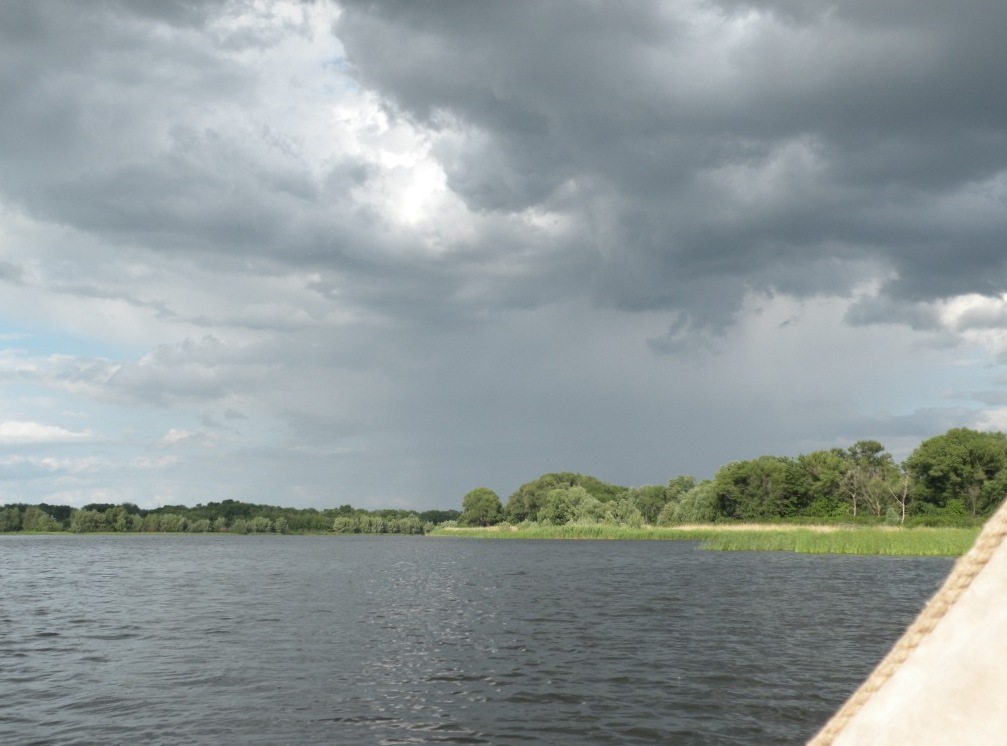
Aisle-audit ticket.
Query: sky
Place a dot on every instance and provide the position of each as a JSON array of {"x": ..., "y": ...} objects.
[{"x": 377, "y": 253}]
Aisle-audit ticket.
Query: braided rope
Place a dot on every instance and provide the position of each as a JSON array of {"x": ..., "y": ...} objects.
[{"x": 961, "y": 577}]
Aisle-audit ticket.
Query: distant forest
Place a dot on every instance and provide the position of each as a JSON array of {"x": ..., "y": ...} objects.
[
  {"x": 955, "y": 479},
  {"x": 230, "y": 516}
]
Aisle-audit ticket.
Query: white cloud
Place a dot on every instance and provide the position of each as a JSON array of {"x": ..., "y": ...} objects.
[
  {"x": 163, "y": 462},
  {"x": 177, "y": 437},
  {"x": 20, "y": 433},
  {"x": 53, "y": 465}
]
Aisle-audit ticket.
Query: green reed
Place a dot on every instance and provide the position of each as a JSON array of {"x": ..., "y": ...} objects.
[
  {"x": 944, "y": 542},
  {"x": 580, "y": 531}
]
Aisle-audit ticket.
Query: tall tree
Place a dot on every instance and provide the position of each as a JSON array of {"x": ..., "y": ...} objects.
[
  {"x": 824, "y": 471},
  {"x": 867, "y": 465},
  {"x": 700, "y": 504},
  {"x": 649, "y": 500},
  {"x": 756, "y": 489},
  {"x": 957, "y": 465},
  {"x": 527, "y": 500},
  {"x": 563, "y": 504},
  {"x": 899, "y": 486},
  {"x": 480, "y": 507}
]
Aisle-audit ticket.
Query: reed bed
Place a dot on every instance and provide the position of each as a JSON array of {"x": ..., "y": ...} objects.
[
  {"x": 829, "y": 539},
  {"x": 583, "y": 531},
  {"x": 935, "y": 542}
]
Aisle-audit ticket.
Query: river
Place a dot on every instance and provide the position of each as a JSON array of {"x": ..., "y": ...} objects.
[{"x": 221, "y": 639}]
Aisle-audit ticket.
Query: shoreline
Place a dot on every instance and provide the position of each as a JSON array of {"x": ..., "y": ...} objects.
[{"x": 803, "y": 538}]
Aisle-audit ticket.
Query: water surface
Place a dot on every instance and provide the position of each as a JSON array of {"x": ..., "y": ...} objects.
[{"x": 218, "y": 639}]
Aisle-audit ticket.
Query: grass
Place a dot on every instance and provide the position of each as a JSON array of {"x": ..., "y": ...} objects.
[
  {"x": 580, "y": 531},
  {"x": 814, "y": 539},
  {"x": 935, "y": 542}
]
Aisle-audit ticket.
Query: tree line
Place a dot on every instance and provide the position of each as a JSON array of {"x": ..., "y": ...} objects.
[
  {"x": 958, "y": 478},
  {"x": 228, "y": 516}
]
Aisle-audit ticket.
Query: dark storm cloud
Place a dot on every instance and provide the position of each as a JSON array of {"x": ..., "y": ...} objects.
[
  {"x": 88, "y": 93},
  {"x": 98, "y": 133},
  {"x": 436, "y": 244},
  {"x": 699, "y": 151},
  {"x": 712, "y": 148},
  {"x": 134, "y": 124},
  {"x": 880, "y": 310}
]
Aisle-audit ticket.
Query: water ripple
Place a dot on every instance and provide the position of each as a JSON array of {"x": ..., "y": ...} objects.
[{"x": 350, "y": 640}]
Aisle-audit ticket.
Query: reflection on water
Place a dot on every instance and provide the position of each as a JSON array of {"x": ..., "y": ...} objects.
[{"x": 166, "y": 639}]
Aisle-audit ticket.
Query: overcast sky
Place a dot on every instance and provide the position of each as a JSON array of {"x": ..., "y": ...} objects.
[{"x": 377, "y": 253}]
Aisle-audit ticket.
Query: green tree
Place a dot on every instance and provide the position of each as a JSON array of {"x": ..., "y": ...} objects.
[
  {"x": 117, "y": 519},
  {"x": 899, "y": 486},
  {"x": 10, "y": 519},
  {"x": 590, "y": 511},
  {"x": 345, "y": 524},
  {"x": 867, "y": 467},
  {"x": 438, "y": 516},
  {"x": 481, "y": 507},
  {"x": 824, "y": 479},
  {"x": 680, "y": 485},
  {"x": 993, "y": 492},
  {"x": 35, "y": 519},
  {"x": 172, "y": 522},
  {"x": 525, "y": 502},
  {"x": 755, "y": 490},
  {"x": 649, "y": 500},
  {"x": 623, "y": 512},
  {"x": 261, "y": 525},
  {"x": 98, "y": 507},
  {"x": 60, "y": 513},
  {"x": 409, "y": 524},
  {"x": 563, "y": 504},
  {"x": 957, "y": 466},
  {"x": 82, "y": 521},
  {"x": 698, "y": 505}
]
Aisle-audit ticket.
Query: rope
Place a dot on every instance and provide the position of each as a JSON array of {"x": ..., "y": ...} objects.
[{"x": 961, "y": 577}]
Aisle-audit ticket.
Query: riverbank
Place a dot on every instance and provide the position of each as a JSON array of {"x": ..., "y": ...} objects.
[{"x": 805, "y": 539}]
